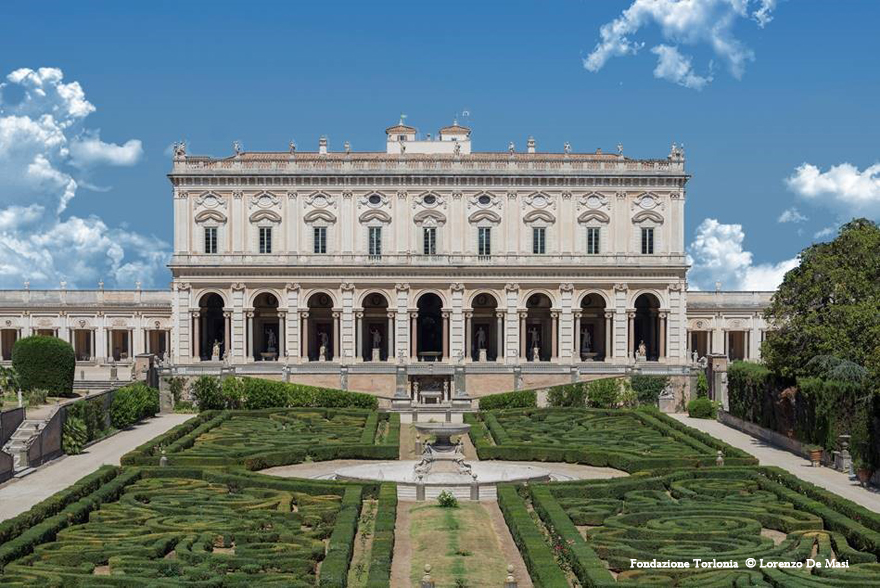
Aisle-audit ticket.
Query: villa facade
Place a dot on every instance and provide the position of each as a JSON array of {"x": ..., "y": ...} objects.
[{"x": 428, "y": 262}]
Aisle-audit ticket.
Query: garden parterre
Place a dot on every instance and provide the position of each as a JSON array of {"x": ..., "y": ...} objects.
[
  {"x": 258, "y": 439},
  {"x": 594, "y": 529},
  {"x": 629, "y": 440}
]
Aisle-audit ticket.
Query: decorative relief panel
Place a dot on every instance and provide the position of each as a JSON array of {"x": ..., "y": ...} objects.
[
  {"x": 373, "y": 200},
  {"x": 320, "y": 200},
  {"x": 484, "y": 200},
  {"x": 593, "y": 201},
  {"x": 210, "y": 200},
  {"x": 539, "y": 200},
  {"x": 265, "y": 200},
  {"x": 430, "y": 200},
  {"x": 648, "y": 201}
]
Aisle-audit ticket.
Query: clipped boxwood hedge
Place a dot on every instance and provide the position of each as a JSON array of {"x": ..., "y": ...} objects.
[
  {"x": 383, "y": 538},
  {"x": 261, "y": 393},
  {"x": 44, "y": 363},
  {"x": 133, "y": 403},
  {"x": 516, "y": 399}
]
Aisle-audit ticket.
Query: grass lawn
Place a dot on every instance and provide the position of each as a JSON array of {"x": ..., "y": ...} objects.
[{"x": 459, "y": 543}]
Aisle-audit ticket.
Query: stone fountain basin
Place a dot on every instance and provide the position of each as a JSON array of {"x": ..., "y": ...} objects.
[
  {"x": 402, "y": 473},
  {"x": 443, "y": 431}
]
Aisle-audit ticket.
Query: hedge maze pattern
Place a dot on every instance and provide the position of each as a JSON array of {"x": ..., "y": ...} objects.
[
  {"x": 170, "y": 531},
  {"x": 243, "y": 435},
  {"x": 627, "y": 440},
  {"x": 725, "y": 514}
]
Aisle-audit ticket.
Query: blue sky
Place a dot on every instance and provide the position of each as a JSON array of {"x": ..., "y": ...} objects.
[{"x": 266, "y": 73}]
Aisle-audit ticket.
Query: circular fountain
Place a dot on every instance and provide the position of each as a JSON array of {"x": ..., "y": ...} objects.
[{"x": 443, "y": 467}]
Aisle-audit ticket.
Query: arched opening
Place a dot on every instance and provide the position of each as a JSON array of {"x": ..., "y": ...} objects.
[
  {"x": 484, "y": 329},
  {"x": 646, "y": 341},
  {"x": 211, "y": 331},
  {"x": 267, "y": 333},
  {"x": 593, "y": 335},
  {"x": 375, "y": 329},
  {"x": 430, "y": 336},
  {"x": 321, "y": 332},
  {"x": 540, "y": 331}
]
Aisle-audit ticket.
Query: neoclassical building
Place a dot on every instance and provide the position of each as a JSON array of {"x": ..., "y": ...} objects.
[{"x": 426, "y": 263}]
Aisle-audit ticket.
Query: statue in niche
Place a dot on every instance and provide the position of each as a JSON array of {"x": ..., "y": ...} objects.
[
  {"x": 534, "y": 337},
  {"x": 481, "y": 338},
  {"x": 643, "y": 351},
  {"x": 376, "y": 337},
  {"x": 271, "y": 341},
  {"x": 325, "y": 343},
  {"x": 586, "y": 341},
  {"x": 695, "y": 357},
  {"x": 215, "y": 352}
]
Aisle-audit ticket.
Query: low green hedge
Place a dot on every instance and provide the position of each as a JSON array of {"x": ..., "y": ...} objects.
[
  {"x": 334, "y": 568},
  {"x": 260, "y": 393},
  {"x": 382, "y": 550},
  {"x": 530, "y": 541},
  {"x": 44, "y": 363},
  {"x": 516, "y": 399},
  {"x": 133, "y": 403}
]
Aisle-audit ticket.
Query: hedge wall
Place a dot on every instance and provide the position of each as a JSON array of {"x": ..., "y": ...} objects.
[
  {"x": 517, "y": 399},
  {"x": 260, "y": 393},
  {"x": 133, "y": 403},
  {"x": 383, "y": 538},
  {"x": 44, "y": 363}
]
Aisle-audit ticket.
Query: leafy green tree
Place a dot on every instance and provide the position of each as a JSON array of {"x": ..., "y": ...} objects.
[{"x": 828, "y": 305}]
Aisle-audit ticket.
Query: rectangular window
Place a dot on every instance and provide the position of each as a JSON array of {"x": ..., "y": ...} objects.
[
  {"x": 539, "y": 240},
  {"x": 375, "y": 241},
  {"x": 647, "y": 241},
  {"x": 430, "y": 240},
  {"x": 592, "y": 240},
  {"x": 210, "y": 239},
  {"x": 484, "y": 241},
  {"x": 320, "y": 234},
  {"x": 265, "y": 239}
]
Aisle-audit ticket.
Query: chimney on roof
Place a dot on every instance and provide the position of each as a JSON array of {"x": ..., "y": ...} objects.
[
  {"x": 530, "y": 144},
  {"x": 322, "y": 145}
]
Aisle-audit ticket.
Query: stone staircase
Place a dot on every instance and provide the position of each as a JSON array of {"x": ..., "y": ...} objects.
[
  {"x": 462, "y": 492},
  {"x": 96, "y": 385},
  {"x": 18, "y": 444}
]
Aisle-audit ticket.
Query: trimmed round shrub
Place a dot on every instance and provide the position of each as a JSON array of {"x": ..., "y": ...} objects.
[
  {"x": 133, "y": 403},
  {"x": 44, "y": 362},
  {"x": 702, "y": 408}
]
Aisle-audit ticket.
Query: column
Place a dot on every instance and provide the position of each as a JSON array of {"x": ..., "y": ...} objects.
[
  {"x": 227, "y": 333},
  {"x": 576, "y": 355},
  {"x": 358, "y": 334},
  {"x": 282, "y": 334},
  {"x": 662, "y": 320},
  {"x": 554, "y": 328},
  {"x": 499, "y": 335},
  {"x": 727, "y": 343},
  {"x": 631, "y": 333},
  {"x": 468, "y": 347},
  {"x": 414, "y": 336},
  {"x": 609, "y": 349},
  {"x": 522, "y": 335},
  {"x": 336, "y": 335},
  {"x": 249, "y": 336},
  {"x": 94, "y": 341},
  {"x": 167, "y": 343},
  {"x": 445, "y": 315},
  {"x": 304, "y": 335},
  {"x": 390, "y": 336},
  {"x": 197, "y": 335}
]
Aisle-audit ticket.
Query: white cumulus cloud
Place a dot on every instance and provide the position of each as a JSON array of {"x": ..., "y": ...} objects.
[
  {"x": 717, "y": 255},
  {"x": 791, "y": 215},
  {"x": 44, "y": 149},
  {"x": 843, "y": 187},
  {"x": 683, "y": 22}
]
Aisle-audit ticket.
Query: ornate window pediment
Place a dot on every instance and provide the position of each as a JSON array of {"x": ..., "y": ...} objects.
[
  {"x": 485, "y": 216},
  {"x": 373, "y": 200},
  {"x": 429, "y": 218},
  {"x": 648, "y": 201},
  {"x": 320, "y": 200},
  {"x": 210, "y": 200},
  {"x": 210, "y": 216},
  {"x": 593, "y": 201},
  {"x": 265, "y": 215},
  {"x": 320, "y": 215},
  {"x": 539, "y": 216},
  {"x": 594, "y": 216},
  {"x": 648, "y": 215},
  {"x": 429, "y": 200},
  {"x": 375, "y": 216},
  {"x": 484, "y": 200}
]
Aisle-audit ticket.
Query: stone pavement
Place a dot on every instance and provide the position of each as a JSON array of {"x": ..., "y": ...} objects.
[
  {"x": 19, "y": 494},
  {"x": 768, "y": 455}
]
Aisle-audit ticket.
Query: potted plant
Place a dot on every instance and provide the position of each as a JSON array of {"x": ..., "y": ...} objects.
[
  {"x": 863, "y": 471},
  {"x": 815, "y": 453}
]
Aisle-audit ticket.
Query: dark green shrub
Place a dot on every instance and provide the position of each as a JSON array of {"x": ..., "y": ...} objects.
[
  {"x": 44, "y": 362},
  {"x": 73, "y": 435},
  {"x": 702, "y": 385},
  {"x": 603, "y": 393},
  {"x": 750, "y": 390},
  {"x": 176, "y": 385},
  {"x": 447, "y": 499},
  {"x": 133, "y": 403},
  {"x": 517, "y": 399},
  {"x": 702, "y": 408},
  {"x": 207, "y": 393},
  {"x": 648, "y": 388},
  {"x": 232, "y": 392},
  {"x": 568, "y": 395},
  {"x": 260, "y": 393}
]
